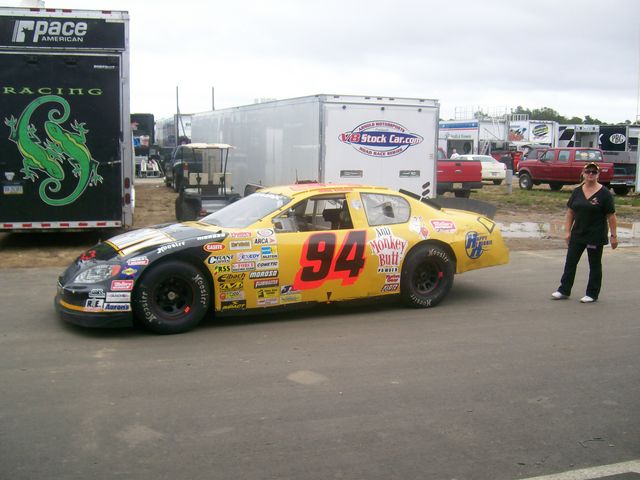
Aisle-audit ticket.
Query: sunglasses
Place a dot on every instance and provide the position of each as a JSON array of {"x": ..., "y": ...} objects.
[{"x": 591, "y": 172}]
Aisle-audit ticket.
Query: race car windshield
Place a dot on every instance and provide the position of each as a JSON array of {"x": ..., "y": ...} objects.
[{"x": 247, "y": 210}]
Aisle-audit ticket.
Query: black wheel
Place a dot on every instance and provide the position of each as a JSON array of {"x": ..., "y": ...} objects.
[
  {"x": 525, "y": 181},
  {"x": 497, "y": 182},
  {"x": 555, "y": 186},
  {"x": 171, "y": 297},
  {"x": 427, "y": 276},
  {"x": 462, "y": 193},
  {"x": 622, "y": 191}
]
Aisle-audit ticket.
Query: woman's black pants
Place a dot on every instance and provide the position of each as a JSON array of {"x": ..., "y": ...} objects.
[{"x": 574, "y": 252}]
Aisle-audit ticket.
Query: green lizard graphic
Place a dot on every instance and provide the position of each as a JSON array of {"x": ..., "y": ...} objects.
[{"x": 61, "y": 145}]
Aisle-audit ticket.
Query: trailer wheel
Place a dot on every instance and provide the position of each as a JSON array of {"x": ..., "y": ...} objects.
[
  {"x": 427, "y": 276},
  {"x": 172, "y": 297},
  {"x": 555, "y": 186},
  {"x": 525, "y": 181},
  {"x": 622, "y": 191}
]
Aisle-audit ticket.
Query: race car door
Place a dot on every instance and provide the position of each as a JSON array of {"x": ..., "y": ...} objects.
[{"x": 321, "y": 252}]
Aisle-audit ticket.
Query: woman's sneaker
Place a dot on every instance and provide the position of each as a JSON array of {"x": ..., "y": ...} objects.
[
  {"x": 560, "y": 296},
  {"x": 587, "y": 299}
]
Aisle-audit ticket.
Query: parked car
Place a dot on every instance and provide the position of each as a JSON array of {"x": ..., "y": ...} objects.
[
  {"x": 561, "y": 166},
  {"x": 457, "y": 175},
  {"x": 492, "y": 169},
  {"x": 279, "y": 248},
  {"x": 187, "y": 159}
]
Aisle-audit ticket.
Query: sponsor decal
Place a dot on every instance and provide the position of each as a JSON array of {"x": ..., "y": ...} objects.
[
  {"x": 233, "y": 305},
  {"x": 392, "y": 279},
  {"x": 96, "y": 293},
  {"x": 169, "y": 246},
  {"x": 264, "y": 240},
  {"x": 116, "y": 307},
  {"x": 231, "y": 286},
  {"x": 118, "y": 297},
  {"x": 248, "y": 256},
  {"x": 240, "y": 245},
  {"x": 243, "y": 266},
  {"x": 129, "y": 272},
  {"x": 617, "y": 139},
  {"x": 286, "y": 289},
  {"x": 540, "y": 130},
  {"x": 265, "y": 232},
  {"x": 264, "y": 274},
  {"x": 213, "y": 247},
  {"x": 267, "y": 302},
  {"x": 222, "y": 268},
  {"x": 380, "y": 138},
  {"x": 35, "y": 31},
  {"x": 269, "y": 251},
  {"x": 231, "y": 277},
  {"x": 217, "y": 236},
  {"x": 93, "y": 305},
  {"x": 121, "y": 285},
  {"x": 240, "y": 234},
  {"x": 267, "y": 264},
  {"x": 389, "y": 249},
  {"x": 136, "y": 261},
  {"x": 266, "y": 283},
  {"x": 444, "y": 226},
  {"x": 268, "y": 292},
  {"x": 416, "y": 225},
  {"x": 476, "y": 244},
  {"x": 390, "y": 287},
  {"x": 291, "y": 298},
  {"x": 215, "y": 259},
  {"x": 232, "y": 295}
]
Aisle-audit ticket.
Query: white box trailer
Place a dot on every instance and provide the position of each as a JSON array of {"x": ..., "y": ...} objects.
[{"x": 388, "y": 142}]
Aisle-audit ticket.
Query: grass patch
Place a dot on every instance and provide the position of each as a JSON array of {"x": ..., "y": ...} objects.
[{"x": 541, "y": 199}]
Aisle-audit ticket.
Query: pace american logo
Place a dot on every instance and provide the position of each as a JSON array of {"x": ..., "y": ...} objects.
[{"x": 380, "y": 138}]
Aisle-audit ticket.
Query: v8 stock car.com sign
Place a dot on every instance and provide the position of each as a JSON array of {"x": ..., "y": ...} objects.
[{"x": 380, "y": 138}]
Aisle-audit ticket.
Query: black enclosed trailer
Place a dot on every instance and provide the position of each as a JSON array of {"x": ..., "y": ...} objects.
[{"x": 66, "y": 155}]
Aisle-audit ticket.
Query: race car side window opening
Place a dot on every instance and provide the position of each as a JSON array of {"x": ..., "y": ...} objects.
[
  {"x": 316, "y": 213},
  {"x": 247, "y": 210},
  {"x": 382, "y": 209}
]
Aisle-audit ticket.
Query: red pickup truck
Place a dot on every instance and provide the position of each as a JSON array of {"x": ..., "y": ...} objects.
[
  {"x": 459, "y": 176},
  {"x": 560, "y": 166}
]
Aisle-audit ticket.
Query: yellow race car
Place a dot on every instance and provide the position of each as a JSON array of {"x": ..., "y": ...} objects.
[{"x": 278, "y": 248}]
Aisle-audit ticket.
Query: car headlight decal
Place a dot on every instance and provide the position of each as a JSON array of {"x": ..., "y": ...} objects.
[{"x": 96, "y": 274}]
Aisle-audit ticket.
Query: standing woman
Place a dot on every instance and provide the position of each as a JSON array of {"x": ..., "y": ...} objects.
[{"x": 590, "y": 210}]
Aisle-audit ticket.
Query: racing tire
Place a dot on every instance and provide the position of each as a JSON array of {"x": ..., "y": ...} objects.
[
  {"x": 555, "y": 186},
  {"x": 497, "y": 182},
  {"x": 171, "y": 297},
  {"x": 462, "y": 193},
  {"x": 525, "y": 181},
  {"x": 622, "y": 191},
  {"x": 427, "y": 276}
]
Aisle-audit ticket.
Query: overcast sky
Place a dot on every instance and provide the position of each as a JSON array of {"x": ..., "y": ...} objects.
[{"x": 578, "y": 57}]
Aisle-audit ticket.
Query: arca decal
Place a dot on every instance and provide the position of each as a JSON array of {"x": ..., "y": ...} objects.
[
  {"x": 380, "y": 138},
  {"x": 320, "y": 262}
]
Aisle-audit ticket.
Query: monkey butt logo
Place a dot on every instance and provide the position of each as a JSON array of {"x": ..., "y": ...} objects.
[{"x": 380, "y": 138}]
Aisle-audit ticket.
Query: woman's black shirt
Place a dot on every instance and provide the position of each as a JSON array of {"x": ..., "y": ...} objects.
[{"x": 590, "y": 216}]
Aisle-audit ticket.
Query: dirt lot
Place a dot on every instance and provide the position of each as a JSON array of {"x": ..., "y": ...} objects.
[{"x": 155, "y": 204}]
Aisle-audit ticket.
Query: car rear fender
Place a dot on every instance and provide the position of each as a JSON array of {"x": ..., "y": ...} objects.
[{"x": 445, "y": 246}]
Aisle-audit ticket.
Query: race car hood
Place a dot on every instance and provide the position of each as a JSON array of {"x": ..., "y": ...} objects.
[{"x": 142, "y": 239}]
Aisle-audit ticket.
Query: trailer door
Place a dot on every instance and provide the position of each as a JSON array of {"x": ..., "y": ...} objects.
[
  {"x": 60, "y": 137},
  {"x": 385, "y": 145}
]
